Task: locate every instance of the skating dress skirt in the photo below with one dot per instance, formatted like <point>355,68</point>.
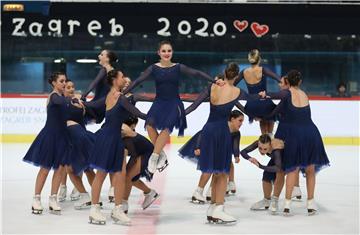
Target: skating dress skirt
<point>50,147</point>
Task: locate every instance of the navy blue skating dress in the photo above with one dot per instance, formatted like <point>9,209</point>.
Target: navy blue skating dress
<point>262,107</point>
<point>108,151</point>
<point>82,141</point>
<point>167,110</point>
<point>303,142</point>
<point>216,151</point>
<point>101,90</point>
<point>187,150</point>
<point>138,146</point>
<point>52,143</point>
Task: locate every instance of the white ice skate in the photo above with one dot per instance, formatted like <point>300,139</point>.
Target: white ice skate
<point>84,202</point>
<point>125,206</point>
<point>208,194</point>
<point>296,193</point>
<point>219,216</point>
<point>162,162</point>
<point>75,195</point>
<point>152,165</point>
<point>261,205</point>
<point>311,207</point>
<point>149,198</point>
<point>231,187</point>
<point>198,197</point>
<point>118,215</point>
<point>62,193</point>
<point>54,205</point>
<point>210,212</point>
<point>36,207</point>
<point>287,207</point>
<point>111,194</point>
<point>274,205</point>
<point>96,217</point>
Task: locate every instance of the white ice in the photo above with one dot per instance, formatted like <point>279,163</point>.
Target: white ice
<point>337,195</point>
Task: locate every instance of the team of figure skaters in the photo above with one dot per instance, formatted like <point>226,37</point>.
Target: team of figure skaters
<point>116,149</point>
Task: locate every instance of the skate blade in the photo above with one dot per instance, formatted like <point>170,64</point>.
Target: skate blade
<point>117,221</point>
<point>152,201</point>
<point>111,199</point>
<point>161,169</point>
<point>97,222</point>
<point>195,201</point>
<point>274,212</point>
<point>36,212</point>
<point>260,209</point>
<point>296,198</point>
<point>61,199</point>
<point>54,212</point>
<point>311,212</point>
<point>74,198</point>
<point>87,205</point>
<point>221,222</point>
<point>287,213</point>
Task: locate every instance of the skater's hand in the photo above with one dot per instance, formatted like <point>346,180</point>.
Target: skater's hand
<point>237,160</point>
<point>220,82</point>
<point>254,161</point>
<point>197,152</point>
<point>262,94</point>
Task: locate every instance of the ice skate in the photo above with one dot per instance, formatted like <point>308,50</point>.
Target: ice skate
<point>198,197</point>
<point>296,193</point>
<point>287,206</point>
<point>263,204</point>
<point>208,194</point>
<point>153,161</point>
<point>209,213</point>
<point>75,195</point>
<point>96,217</point>
<point>149,198</point>
<point>311,207</point>
<point>54,207</point>
<point>111,194</point>
<point>274,205</point>
<point>36,207</point>
<point>84,202</point>
<point>162,162</point>
<point>62,193</point>
<point>125,206</point>
<point>219,216</point>
<point>119,216</point>
<point>232,187</point>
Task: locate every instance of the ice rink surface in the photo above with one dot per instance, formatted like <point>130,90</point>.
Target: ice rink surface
<point>337,196</point>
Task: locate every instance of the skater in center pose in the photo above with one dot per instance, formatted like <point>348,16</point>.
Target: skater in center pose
<point>167,110</point>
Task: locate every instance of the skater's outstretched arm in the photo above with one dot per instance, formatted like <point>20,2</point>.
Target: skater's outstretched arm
<point>248,149</point>
<point>201,98</point>
<point>131,108</point>
<point>280,95</point>
<point>145,75</point>
<point>236,143</point>
<point>198,141</point>
<point>93,108</point>
<point>276,155</point>
<point>271,74</point>
<point>138,97</point>
<point>99,77</point>
<point>195,73</point>
<point>245,96</point>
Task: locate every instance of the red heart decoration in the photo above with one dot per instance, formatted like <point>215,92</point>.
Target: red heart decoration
<point>241,25</point>
<point>259,30</point>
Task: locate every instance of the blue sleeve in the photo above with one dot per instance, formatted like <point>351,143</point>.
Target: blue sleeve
<point>276,155</point>
<point>57,99</point>
<point>131,108</point>
<point>201,98</point>
<point>93,84</point>
<point>236,143</point>
<point>195,73</point>
<point>245,152</point>
<point>145,75</point>
<point>271,74</point>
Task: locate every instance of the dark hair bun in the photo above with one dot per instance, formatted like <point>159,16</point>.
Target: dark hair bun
<point>231,71</point>
<point>293,77</point>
